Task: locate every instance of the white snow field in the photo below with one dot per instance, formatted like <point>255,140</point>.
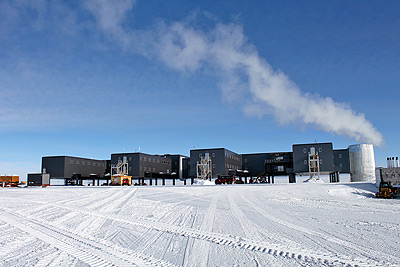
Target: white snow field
<point>303,224</point>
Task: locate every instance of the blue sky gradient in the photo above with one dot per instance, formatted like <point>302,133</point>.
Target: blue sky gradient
<point>91,78</point>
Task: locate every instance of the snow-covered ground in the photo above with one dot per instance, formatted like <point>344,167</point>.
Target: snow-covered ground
<point>303,224</point>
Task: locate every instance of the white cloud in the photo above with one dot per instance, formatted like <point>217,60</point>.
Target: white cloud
<point>110,16</point>
<point>244,74</point>
<point>226,49</point>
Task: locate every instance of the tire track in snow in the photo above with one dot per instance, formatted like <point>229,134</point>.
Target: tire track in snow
<point>187,250</point>
<point>95,203</point>
<point>114,206</point>
<point>92,252</point>
<point>249,228</point>
<point>48,259</point>
<point>152,238</point>
<point>360,261</point>
<point>80,199</point>
<point>278,250</point>
<point>201,248</point>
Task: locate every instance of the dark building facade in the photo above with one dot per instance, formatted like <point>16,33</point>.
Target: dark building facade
<point>254,163</point>
<point>144,165</point>
<point>325,153</point>
<point>61,167</point>
<point>179,165</point>
<point>260,164</point>
<point>38,179</point>
<point>222,160</point>
<point>341,160</point>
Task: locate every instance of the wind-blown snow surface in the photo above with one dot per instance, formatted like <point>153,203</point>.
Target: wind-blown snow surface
<point>305,224</point>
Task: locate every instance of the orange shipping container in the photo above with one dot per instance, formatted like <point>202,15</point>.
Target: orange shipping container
<point>9,178</point>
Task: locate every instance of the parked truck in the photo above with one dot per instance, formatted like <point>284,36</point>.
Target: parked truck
<point>228,179</point>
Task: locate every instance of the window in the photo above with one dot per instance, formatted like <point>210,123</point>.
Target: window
<point>214,165</point>
<point>144,168</point>
<point>200,155</point>
<point>130,158</point>
<point>130,168</point>
<point>245,160</point>
<point>305,162</point>
<point>213,155</point>
<point>340,156</point>
<point>141,158</point>
<point>145,159</point>
<point>321,161</point>
<point>304,150</point>
<point>71,161</point>
<point>320,149</point>
<point>154,160</point>
<point>158,161</point>
<point>341,165</point>
<point>140,167</point>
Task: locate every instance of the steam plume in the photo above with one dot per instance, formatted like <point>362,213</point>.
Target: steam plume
<point>184,48</point>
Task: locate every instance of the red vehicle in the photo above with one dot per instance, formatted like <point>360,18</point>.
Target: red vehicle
<point>227,179</point>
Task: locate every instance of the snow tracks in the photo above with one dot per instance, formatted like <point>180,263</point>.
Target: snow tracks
<point>166,226</point>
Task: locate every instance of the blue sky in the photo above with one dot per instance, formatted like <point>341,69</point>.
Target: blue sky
<point>91,78</point>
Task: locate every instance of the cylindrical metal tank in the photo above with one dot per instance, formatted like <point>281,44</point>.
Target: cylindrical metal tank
<point>362,163</point>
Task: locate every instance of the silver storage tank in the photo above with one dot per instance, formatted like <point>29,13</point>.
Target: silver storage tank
<point>362,163</point>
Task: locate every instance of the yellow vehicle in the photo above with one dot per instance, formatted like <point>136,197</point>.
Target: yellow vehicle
<point>119,173</point>
<point>121,180</point>
<point>386,190</point>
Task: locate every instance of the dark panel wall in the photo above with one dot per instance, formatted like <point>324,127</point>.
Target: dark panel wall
<point>300,157</point>
<point>38,179</point>
<point>65,167</point>
<point>233,161</point>
<point>221,159</point>
<point>54,166</point>
<point>141,164</point>
<point>341,160</point>
<point>254,163</point>
<point>132,159</point>
<point>175,164</point>
<point>186,167</point>
<point>154,164</point>
<point>85,167</point>
<point>278,163</point>
<point>217,160</point>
